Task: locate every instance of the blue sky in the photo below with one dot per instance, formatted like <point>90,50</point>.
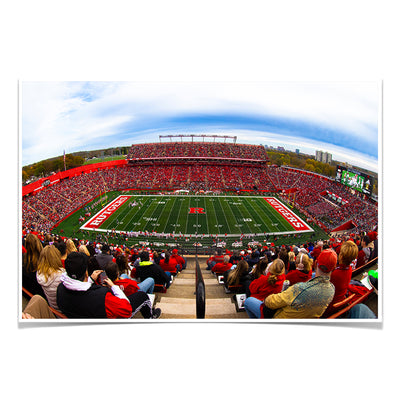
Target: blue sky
<point>339,117</point>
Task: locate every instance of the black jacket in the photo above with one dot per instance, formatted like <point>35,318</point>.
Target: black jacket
<point>147,269</point>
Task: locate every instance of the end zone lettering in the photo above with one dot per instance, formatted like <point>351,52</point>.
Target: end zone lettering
<point>99,218</point>
<point>293,220</point>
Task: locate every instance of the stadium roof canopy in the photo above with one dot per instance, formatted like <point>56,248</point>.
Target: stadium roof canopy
<point>234,138</point>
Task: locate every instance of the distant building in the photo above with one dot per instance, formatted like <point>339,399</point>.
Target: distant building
<point>297,151</point>
<point>323,156</point>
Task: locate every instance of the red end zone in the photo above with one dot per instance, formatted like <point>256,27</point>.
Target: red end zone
<point>100,217</point>
<point>293,219</point>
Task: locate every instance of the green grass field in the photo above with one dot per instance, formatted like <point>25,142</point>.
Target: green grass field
<point>190,215</point>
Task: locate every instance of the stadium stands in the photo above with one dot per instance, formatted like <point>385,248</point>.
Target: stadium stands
<point>199,167</point>
<point>194,150</point>
<point>50,205</point>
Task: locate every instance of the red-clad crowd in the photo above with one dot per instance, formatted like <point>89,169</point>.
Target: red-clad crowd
<point>197,149</point>
<point>41,211</point>
<point>270,270</point>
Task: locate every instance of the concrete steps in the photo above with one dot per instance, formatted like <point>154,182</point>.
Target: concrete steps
<point>180,301</point>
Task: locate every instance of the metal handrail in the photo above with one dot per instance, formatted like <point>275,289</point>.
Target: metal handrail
<point>200,293</point>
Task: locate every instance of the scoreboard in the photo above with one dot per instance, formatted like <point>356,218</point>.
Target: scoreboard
<point>354,179</point>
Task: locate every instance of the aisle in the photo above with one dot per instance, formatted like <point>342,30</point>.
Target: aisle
<point>180,301</point>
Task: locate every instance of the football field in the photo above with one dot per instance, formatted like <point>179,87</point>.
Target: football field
<point>230,216</point>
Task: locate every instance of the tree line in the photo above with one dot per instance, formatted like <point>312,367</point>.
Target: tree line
<point>73,160</point>
<point>301,161</point>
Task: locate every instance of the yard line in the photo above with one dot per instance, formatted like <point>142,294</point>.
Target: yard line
<point>276,224</point>
<point>265,211</point>
<point>159,212</point>
<point>171,204</point>
<point>187,216</point>
<point>262,215</point>
<point>242,219</point>
<point>149,214</point>
<point>138,214</point>
<point>227,220</point>
<point>132,212</point>
<point>282,224</point>
<point>211,215</point>
<point>182,218</point>
<point>161,223</point>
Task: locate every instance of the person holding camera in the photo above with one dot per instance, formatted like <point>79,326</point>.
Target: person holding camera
<point>78,296</point>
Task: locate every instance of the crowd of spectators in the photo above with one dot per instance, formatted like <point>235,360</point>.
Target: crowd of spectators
<point>197,149</point>
<point>76,285</point>
<point>50,261</point>
<point>42,210</point>
<point>306,280</point>
<point>310,198</point>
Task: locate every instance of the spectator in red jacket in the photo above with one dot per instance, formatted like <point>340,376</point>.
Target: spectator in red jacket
<point>303,271</point>
<point>223,266</point>
<point>169,264</point>
<point>341,276</point>
<point>216,258</point>
<point>264,286</point>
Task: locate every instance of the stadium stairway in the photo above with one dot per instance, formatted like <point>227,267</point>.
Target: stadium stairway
<point>179,302</point>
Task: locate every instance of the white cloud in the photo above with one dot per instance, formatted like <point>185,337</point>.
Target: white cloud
<point>307,146</point>
<point>72,115</point>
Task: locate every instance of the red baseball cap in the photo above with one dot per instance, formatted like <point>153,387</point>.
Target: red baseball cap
<point>327,260</point>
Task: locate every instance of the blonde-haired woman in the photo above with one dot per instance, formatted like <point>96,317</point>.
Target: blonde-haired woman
<point>83,249</point>
<point>71,246</point>
<point>341,276</point>
<point>303,271</point>
<point>49,273</point>
<point>292,261</point>
<point>264,286</point>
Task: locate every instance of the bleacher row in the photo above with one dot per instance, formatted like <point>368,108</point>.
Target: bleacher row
<point>197,149</point>
<point>341,308</point>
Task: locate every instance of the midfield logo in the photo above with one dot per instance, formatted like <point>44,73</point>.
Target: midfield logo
<point>196,210</point>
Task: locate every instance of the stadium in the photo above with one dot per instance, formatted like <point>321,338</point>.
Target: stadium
<point>209,200</point>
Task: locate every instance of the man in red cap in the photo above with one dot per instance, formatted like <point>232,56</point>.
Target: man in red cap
<point>306,299</point>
